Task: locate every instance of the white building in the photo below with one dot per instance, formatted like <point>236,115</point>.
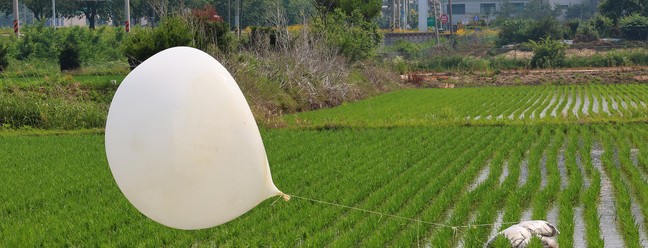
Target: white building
<point>464,11</point>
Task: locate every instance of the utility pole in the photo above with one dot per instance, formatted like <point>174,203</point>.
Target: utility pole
<point>16,18</point>
<point>54,14</point>
<point>237,16</point>
<point>436,19</point>
<point>405,14</point>
<point>128,18</point>
<point>451,26</point>
<point>229,13</point>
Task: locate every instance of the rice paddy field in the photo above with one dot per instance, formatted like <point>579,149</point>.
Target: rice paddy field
<point>465,163</point>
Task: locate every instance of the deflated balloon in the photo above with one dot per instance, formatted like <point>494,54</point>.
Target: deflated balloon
<point>182,143</point>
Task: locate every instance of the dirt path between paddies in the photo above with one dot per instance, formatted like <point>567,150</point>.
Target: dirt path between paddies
<point>606,75</point>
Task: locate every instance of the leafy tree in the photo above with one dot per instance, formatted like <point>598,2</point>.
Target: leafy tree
<point>617,9</point>
<point>538,9</point>
<point>42,9</point>
<point>369,9</point>
<point>89,9</point>
<point>634,27</point>
<point>145,42</point>
<point>582,11</point>
<point>355,37</point>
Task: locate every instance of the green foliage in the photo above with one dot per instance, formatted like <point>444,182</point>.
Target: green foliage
<point>522,30</point>
<point>45,43</point>
<point>603,25</point>
<point>69,57</point>
<point>572,27</point>
<point>586,33</point>
<point>548,53</point>
<point>208,33</point>
<point>407,49</point>
<point>356,38</point>
<point>535,242</point>
<point>500,242</point>
<point>634,27</point>
<point>617,9</point>
<point>369,9</point>
<point>4,62</point>
<point>144,43</point>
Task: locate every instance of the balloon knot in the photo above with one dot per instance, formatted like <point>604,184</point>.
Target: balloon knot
<point>285,196</point>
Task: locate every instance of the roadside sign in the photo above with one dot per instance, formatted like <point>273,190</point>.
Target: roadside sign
<point>444,18</point>
<point>431,22</point>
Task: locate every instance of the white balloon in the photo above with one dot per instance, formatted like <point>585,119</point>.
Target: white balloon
<point>182,143</point>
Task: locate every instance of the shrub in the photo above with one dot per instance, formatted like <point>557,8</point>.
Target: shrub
<point>634,27</point>
<point>572,27</point>
<point>518,31</point>
<point>144,43</point>
<point>548,53</point>
<point>603,25</point>
<point>354,37</point>
<point>69,57</point>
<point>4,62</point>
<point>586,33</point>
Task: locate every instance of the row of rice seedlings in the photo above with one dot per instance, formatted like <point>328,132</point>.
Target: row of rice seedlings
<point>613,106</point>
<point>331,157</point>
<point>569,197</point>
<point>470,200</point>
<point>623,204</point>
<point>552,98</point>
<point>484,213</point>
<point>534,110</point>
<point>449,183</point>
<point>632,174</point>
<point>622,104</point>
<point>528,108</point>
<point>374,199</point>
<point>639,134</point>
<point>526,99</point>
<point>592,101</point>
<point>564,98</point>
<point>545,198</point>
<point>515,99</point>
<point>590,196</point>
<point>440,235</point>
<point>603,109</point>
<point>632,104</point>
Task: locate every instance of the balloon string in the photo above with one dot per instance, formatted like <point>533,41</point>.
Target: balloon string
<point>392,215</point>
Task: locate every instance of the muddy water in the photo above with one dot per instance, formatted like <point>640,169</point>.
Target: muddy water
<point>529,108</point>
<point>562,169</point>
<point>605,106</point>
<point>615,106</point>
<point>483,175</point>
<point>555,110</point>
<point>586,104</point>
<point>551,102</point>
<point>579,228</point>
<point>524,172</point>
<point>624,105</point>
<point>498,223</point>
<point>526,215</point>
<point>643,104</point>
<point>505,173</point>
<point>577,106</point>
<point>595,105</point>
<point>552,216</point>
<point>569,102</point>
<point>636,209</point>
<point>606,207</point>
<point>543,172</point>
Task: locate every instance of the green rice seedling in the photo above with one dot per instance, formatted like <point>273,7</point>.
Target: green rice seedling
<point>590,196</point>
<point>625,219</point>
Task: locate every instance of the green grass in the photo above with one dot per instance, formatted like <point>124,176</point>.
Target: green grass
<point>409,153</point>
<point>486,106</point>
